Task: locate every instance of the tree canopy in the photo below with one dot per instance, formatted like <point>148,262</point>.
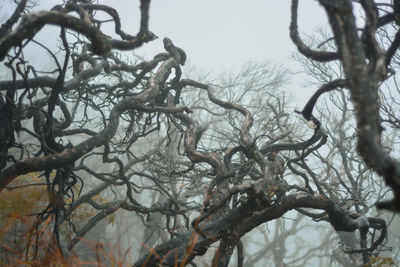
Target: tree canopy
<point>204,162</point>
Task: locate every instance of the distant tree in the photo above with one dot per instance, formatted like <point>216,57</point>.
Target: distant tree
<point>198,162</point>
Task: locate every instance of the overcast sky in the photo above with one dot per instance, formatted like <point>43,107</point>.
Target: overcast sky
<point>223,34</point>
<point>217,35</point>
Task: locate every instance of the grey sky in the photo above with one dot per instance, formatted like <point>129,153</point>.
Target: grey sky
<point>217,35</point>
<point>223,34</point>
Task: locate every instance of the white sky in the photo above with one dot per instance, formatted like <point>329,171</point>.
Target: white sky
<point>221,35</point>
<point>217,35</point>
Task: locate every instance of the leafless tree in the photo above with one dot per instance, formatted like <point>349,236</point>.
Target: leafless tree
<point>205,162</point>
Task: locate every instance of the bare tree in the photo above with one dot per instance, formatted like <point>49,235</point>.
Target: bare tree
<point>203,162</point>
<point>365,64</point>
